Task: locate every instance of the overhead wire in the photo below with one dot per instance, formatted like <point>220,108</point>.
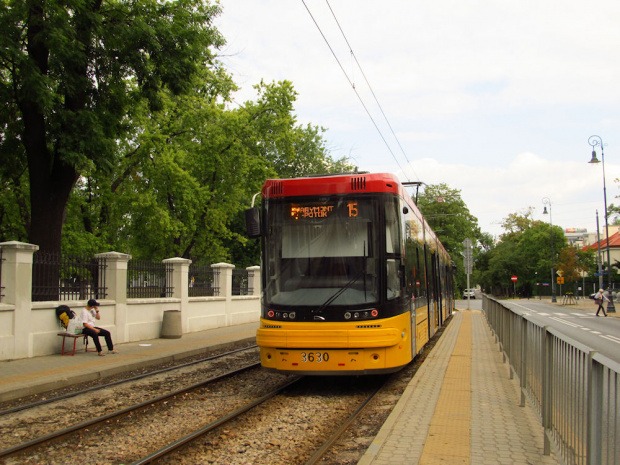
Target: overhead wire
<point>351,83</point>
<point>371,90</point>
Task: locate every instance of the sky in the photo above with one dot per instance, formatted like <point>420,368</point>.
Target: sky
<point>495,98</point>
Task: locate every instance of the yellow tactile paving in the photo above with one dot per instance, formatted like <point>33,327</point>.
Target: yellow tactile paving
<point>461,408</point>
<point>448,438</point>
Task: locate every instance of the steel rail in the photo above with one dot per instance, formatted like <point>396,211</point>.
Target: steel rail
<point>178,444</point>
<point>318,455</point>
<point>116,383</point>
<point>21,448</point>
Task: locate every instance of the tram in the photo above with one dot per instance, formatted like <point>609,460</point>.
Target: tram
<point>354,280</point>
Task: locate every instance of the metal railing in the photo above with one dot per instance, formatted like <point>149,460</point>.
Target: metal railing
<point>202,281</point>
<point>240,282</point>
<point>574,389</point>
<point>58,277</point>
<point>147,279</point>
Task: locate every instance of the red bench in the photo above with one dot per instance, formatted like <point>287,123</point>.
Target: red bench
<point>75,337</point>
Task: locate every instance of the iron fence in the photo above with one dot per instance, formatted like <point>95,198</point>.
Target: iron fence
<point>147,279</point>
<point>240,282</point>
<point>1,286</point>
<point>58,277</point>
<point>203,281</point>
<point>574,389</point>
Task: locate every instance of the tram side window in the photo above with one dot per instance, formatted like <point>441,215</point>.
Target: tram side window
<point>415,280</point>
<point>410,266</point>
<point>393,249</point>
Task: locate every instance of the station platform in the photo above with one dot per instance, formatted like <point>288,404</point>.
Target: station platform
<point>23,377</point>
<point>460,408</point>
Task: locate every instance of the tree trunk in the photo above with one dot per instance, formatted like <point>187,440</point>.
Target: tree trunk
<point>49,194</point>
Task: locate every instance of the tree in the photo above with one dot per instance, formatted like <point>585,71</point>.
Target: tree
<point>571,266</point>
<point>517,223</point>
<point>183,179</point>
<point>524,250</point>
<point>449,217</point>
<point>72,75</point>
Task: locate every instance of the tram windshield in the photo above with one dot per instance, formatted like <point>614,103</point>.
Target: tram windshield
<point>321,253</point>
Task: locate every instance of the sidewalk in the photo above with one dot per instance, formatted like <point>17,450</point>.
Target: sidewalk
<point>35,375</point>
<point>587,305</point>
<point>461,408</point>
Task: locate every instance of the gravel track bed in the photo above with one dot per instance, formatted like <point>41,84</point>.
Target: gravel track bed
<point>288,429</point>
<point>128,438</point>
<point>209,352</point>
<point>28,424</point>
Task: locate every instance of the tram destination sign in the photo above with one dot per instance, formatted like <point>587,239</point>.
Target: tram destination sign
<point>318,211</point>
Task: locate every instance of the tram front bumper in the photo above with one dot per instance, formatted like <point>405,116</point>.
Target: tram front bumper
<point>335,339</point>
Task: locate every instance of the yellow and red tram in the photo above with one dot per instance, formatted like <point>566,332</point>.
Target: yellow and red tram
<point>354,280</point>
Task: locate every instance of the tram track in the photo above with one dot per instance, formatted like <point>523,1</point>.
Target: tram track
<point>149,373</point>
<point>175,446</point>
<point>86,425</point>
<point>286,401</point>
<point>280,406</point>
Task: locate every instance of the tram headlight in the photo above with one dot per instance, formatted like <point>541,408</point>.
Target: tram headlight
<point>347,316</point>
<point>356,315</point>
<point>292,315</point>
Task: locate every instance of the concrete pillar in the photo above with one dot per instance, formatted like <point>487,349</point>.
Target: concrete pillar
<point>180,284</point>
<point>17,281</point>
<point>116,284</point>
<point>223,280</point>
<point>180,277</point>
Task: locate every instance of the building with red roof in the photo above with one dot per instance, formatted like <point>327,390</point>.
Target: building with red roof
<point>614,248</point>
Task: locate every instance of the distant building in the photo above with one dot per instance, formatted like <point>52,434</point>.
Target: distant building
<point>580,237</point>
<point>614,245</point>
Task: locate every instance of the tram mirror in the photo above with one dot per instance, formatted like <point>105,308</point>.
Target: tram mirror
<point>252,222</point>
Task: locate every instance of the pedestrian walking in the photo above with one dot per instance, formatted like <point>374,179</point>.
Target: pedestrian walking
<point>600,298</point>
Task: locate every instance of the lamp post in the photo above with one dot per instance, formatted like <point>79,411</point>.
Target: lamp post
<point>546,202</point>
<point>599,260</point>
<point>594,141</point>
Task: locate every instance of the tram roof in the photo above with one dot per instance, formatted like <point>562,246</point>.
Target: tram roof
<point>353,183</point>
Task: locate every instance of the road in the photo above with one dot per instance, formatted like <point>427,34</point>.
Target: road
<point>575,321</point>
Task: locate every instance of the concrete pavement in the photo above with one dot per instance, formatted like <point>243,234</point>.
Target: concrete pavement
<point>461,408</point>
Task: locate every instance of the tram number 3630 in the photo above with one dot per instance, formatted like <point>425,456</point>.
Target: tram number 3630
<point>317,357</point>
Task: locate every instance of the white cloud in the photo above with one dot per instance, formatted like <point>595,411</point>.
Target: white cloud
<point>492,193</point>
<point>495,98</point>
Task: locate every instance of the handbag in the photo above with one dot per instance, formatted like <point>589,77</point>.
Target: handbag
<point>75,325</point>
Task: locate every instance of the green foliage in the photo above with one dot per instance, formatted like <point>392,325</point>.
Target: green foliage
<point>525,251</point>
<point>449,217</point>
<point>73,75</point>
<point>116,132</point>
<point>182,182</point>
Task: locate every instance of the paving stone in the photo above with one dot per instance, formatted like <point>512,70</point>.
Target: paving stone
<point>498,430</point>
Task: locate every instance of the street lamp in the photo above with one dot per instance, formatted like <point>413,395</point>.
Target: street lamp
<point>546,202</point>
<point>594,141</point>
